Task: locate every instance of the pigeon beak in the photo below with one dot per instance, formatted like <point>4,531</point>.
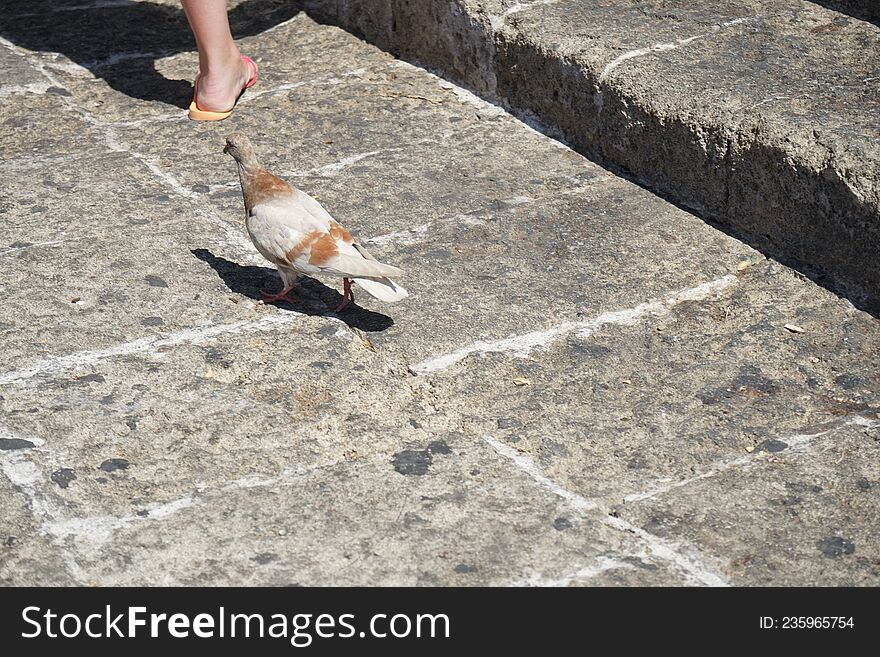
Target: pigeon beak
<point>226,148</point>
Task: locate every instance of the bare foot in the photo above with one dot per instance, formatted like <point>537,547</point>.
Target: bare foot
<point>219,87</point>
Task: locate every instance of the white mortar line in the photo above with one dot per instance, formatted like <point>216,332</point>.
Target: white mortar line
<point>287,477</point>
<point>403,237</point>
<point>524,463</point>
<point>149,120</point>
<point>420,232</point>
<point>98,530</point>
<point>524,199</point>
<point>330,79</point>
<point>772,99</point>
<point>149,344</point>
<point>673,552</point>
<point>692,566</point>
<point>38,88</point>
<point>498,21</point>
<point>330,170</point>
<point>166,177</point>
<point>38,244</point>
<point>25,476</point>
<point>119,57</point>
<point>794,442</point>
<point>69,67</point>
<point>522,345</point>
<point>663,47</point>
<point>602,565</point>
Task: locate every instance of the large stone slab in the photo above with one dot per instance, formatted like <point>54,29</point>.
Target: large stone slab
<point>97,253</point>
<point>611,408</point>
<point>44,124</point>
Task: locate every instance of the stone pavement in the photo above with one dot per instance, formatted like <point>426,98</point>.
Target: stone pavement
<point>588,385</point>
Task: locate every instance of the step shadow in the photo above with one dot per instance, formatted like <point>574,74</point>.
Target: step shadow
<point>864,10</point>
<point>311,297</point>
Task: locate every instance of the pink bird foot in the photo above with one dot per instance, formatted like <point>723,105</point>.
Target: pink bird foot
<point>281,296</point>
<point>347,294</point>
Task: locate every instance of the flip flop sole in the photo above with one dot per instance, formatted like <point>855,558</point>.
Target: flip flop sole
<point>198,114</point>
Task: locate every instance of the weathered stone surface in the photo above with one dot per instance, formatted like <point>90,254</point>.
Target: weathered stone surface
<point>125,47</point>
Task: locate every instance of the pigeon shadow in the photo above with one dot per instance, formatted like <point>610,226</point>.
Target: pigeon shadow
<point>310,297</point>
<point>120,41</point>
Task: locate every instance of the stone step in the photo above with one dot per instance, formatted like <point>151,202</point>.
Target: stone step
<point>759,115</point>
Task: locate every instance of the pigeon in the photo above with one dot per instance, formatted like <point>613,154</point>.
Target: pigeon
<point>297,235</point>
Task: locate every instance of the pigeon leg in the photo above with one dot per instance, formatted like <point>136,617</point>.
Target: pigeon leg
<point>281,296</point>
<point>347,294</point>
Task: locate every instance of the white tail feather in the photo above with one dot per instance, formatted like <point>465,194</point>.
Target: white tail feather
<point>354,265</point>
<point>384,289</point>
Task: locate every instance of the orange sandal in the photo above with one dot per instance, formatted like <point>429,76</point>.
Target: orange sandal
<point>198,114</point>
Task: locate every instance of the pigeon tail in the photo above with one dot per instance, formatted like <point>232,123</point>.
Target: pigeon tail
<point>354,266</point>
<point>384,289</point>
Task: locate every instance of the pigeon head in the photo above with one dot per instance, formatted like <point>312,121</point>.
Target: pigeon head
<point>239,147</point>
